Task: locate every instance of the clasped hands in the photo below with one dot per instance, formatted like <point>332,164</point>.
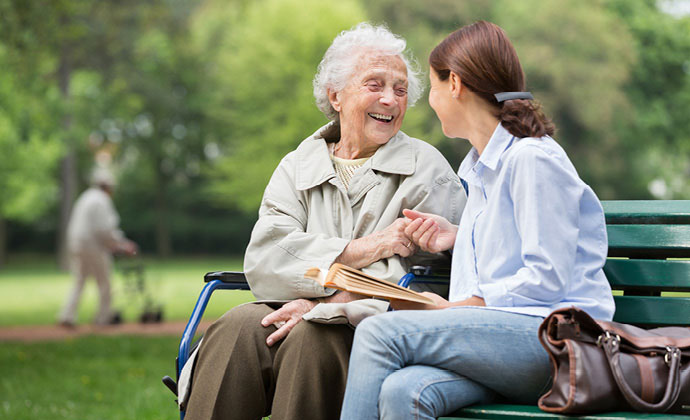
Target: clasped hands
<point>417,230</point>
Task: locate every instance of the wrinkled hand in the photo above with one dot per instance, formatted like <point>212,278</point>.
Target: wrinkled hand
<point>290,315</point>
<point>376,246</point>
<point>439,303</point>
<point>432,233</point>
<point>393,240</point>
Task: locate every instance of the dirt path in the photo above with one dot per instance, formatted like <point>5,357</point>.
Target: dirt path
<point>30,333</point>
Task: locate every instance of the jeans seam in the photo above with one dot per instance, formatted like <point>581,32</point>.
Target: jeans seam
<point>488,328</point>
<point>423,388</point>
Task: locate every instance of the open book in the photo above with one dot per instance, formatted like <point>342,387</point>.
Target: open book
<point>342,277</point>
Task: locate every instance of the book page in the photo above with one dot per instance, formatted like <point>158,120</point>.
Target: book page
<point>346,278</point>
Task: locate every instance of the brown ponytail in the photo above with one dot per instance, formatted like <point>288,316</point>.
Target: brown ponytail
<point>486,61</point>
<point>525,118</point>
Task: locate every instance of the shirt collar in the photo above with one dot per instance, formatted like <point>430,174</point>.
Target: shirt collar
<point>397,156</point>
<point>500,140</point>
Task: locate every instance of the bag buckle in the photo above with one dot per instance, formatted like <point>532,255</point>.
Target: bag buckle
<point>671,353</point>
<point>607,336</point>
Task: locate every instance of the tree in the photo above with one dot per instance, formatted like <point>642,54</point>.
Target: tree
<point>28,150</point>
<point>659,96</point>
<point>576,65</point>
<point>261,66</point>
<point>68,37</point>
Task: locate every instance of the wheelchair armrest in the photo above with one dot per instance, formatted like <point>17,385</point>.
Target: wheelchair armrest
<point>436,279</point>
<point>231,277</point>
<point>430,271</point>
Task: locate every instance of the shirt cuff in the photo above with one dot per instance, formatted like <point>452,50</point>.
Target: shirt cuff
<point>495,294</point>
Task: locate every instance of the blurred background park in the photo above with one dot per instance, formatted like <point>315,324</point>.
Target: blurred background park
<point>192,103</point>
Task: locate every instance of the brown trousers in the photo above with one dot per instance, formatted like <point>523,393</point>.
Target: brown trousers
<point>237,376</point>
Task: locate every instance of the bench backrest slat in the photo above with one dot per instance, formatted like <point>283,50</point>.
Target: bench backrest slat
<point>647,212</point>
<point>652,274</point>
<point>642,236</point>
<point>649,241</point>
<point>652,310</point>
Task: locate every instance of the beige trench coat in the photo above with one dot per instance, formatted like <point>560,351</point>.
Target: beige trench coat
<point>307,217</point>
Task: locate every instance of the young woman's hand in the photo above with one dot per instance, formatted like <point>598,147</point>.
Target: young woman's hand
<point>430,232</point>
<point>439,303</point>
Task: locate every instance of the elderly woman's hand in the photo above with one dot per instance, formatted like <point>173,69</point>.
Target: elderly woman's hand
<point>432,233</point>
<point>378,245</point>
<point>286,318</point>
<point>392,241</point>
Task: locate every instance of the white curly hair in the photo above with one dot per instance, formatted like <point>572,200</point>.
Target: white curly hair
<point>341,58</point>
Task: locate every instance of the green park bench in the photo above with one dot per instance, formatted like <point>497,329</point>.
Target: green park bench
<point>649,270</point>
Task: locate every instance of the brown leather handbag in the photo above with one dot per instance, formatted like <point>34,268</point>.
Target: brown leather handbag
<point>603,366</point>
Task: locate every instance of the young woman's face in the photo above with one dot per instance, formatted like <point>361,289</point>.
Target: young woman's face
<point>442,101</point>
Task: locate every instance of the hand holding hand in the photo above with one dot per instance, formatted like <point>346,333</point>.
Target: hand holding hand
<point>287,317</point>
<point>393,240</point>
<point>432,233</point>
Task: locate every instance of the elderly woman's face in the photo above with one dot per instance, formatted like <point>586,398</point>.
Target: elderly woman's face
<point>373,103</point>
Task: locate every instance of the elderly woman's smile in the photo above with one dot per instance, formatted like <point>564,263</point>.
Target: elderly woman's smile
<point>372,105</point>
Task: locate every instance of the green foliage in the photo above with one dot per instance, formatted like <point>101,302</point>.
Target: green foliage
<point>261,87</point>
<point>28,148</point>
<point>577,64</point>
<point>659,94</point>
<point>198,100</point>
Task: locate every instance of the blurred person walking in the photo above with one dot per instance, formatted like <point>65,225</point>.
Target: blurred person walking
<point>93,235</point>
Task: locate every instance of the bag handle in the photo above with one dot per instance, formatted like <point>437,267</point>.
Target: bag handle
<point>611,346</point>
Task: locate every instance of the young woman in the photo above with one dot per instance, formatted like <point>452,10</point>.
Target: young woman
<point>531,239</point>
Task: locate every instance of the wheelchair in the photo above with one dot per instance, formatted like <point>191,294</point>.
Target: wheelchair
<point>234,280</point>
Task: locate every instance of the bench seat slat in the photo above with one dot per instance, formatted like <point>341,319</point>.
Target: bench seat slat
<point>652,310</point>
<point>649,241</point>
<point>511,411</point>
<point>648,212</point>
<point>667,275</point>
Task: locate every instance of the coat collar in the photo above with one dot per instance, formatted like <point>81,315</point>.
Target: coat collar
<point>500,140</point>
<point>314,167</point>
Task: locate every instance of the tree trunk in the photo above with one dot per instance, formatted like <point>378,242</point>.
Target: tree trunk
<point>3,242</point>
<point>163,240</point>
<point>68,164</point>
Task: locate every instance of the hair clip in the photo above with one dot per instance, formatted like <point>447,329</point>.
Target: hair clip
<point>507,96</point>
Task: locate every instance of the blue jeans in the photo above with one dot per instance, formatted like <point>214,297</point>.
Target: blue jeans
<point>425,364</point>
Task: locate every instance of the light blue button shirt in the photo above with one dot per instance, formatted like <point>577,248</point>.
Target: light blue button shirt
<point>532,237</point>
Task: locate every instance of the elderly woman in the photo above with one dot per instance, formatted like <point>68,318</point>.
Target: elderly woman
<point>337,198</point>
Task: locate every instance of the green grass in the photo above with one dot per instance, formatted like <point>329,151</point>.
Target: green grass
<point>32,289</point>
<point>103,378</point>
<point>97,377</point>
